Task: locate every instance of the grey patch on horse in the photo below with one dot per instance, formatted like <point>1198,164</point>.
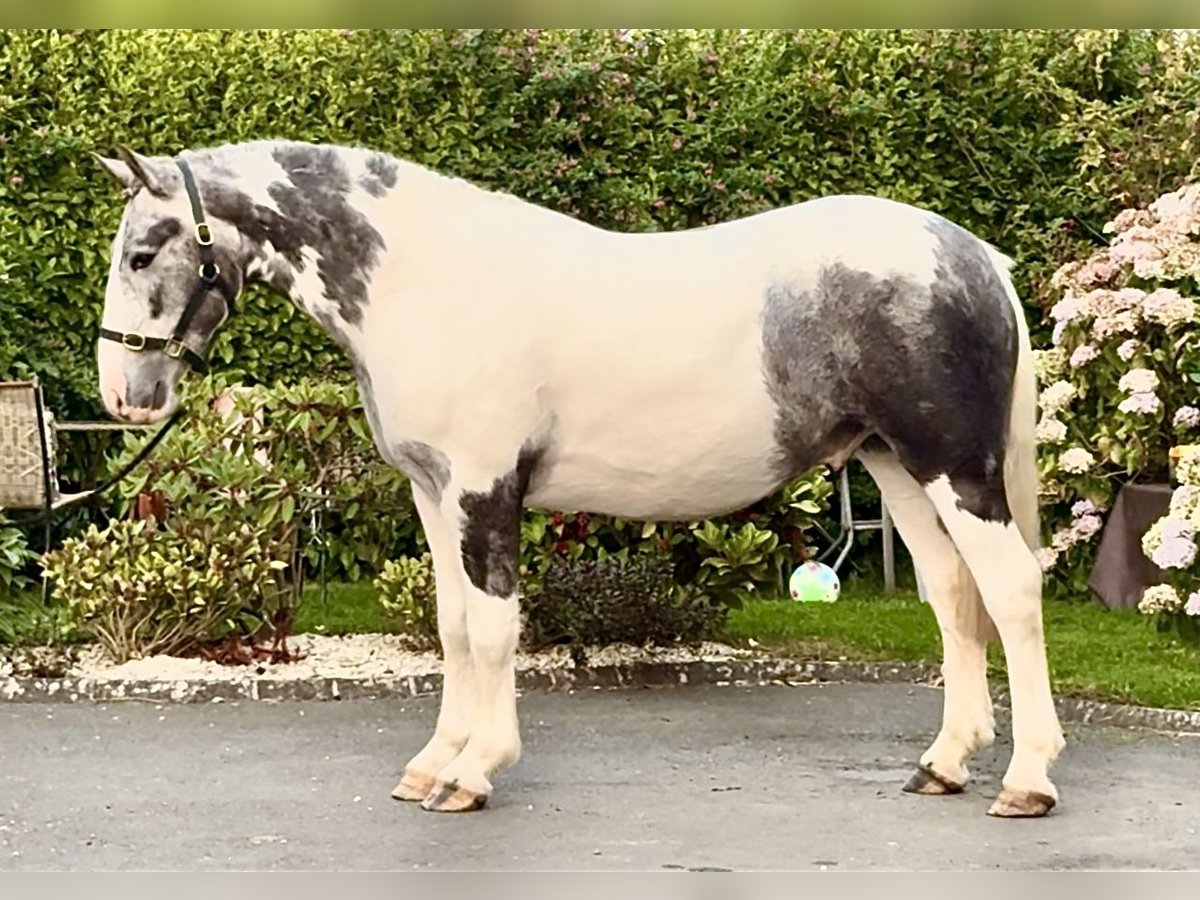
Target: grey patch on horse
<point>426,467</point>
<point>314,211</point>
<point>317,213</point>
<point>158,234</point>
<point>492,527</point>
<point>381,175</point>
<point>926,367</point>
<point>156,302</point>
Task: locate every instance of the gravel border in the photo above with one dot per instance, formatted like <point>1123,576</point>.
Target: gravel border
<point>758,670</point>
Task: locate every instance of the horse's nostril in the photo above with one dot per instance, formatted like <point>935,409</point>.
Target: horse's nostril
<point>160,395</point>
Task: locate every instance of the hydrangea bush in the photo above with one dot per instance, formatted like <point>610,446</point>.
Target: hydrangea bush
<point>1170,543</point>
<point>1119,383</point>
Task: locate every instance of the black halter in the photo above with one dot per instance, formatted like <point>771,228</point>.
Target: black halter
<point>210,280</point>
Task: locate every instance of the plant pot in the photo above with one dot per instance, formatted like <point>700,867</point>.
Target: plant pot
<point>1121,571</point>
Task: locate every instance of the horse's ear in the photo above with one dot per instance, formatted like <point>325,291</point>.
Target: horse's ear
<point>143,170</point>
<point>120,172</point>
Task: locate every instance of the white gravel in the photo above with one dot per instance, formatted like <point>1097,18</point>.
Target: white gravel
<point>368,656</point>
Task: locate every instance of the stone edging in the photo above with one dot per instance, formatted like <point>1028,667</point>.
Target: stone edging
<point>641,674</point>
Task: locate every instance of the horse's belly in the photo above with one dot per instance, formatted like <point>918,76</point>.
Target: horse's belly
<point>660,473</point>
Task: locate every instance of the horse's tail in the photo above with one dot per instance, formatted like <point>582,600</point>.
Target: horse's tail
<point>1020,455</point>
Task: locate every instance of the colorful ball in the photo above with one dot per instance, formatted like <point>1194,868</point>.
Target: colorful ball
<point>814,582</point>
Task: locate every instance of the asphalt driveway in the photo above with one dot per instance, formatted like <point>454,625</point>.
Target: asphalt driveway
<point>679,778</point>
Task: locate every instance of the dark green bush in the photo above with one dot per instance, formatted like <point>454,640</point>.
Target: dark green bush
<point>614,600</point>
<point>1030,138</point>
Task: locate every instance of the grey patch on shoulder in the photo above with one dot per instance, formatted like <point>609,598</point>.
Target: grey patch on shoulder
<point>381,175</point>
<point>426,467</point>
<point>314,211</point>
<point>492,526</point>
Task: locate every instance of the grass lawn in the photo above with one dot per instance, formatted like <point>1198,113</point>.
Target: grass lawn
<point>1094,652</point>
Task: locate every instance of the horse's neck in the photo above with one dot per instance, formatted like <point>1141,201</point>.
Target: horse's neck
<point>348,226</point>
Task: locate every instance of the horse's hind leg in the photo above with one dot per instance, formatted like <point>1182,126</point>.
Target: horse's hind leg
<point>974,506</point>
<point>967,723</point>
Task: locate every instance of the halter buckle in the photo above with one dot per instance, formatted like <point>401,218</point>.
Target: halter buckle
<point>174,348</point>
<point>203,234</point>
<point>134,341</point>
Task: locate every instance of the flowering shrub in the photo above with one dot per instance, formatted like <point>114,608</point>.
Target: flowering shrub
<point>1170,543</point>
<point>139,593</point>
<point>1120,380</point>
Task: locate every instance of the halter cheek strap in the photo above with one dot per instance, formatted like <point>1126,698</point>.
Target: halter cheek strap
<point>210,279</point>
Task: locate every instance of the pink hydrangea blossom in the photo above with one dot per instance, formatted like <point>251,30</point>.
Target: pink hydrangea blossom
<point>1138,381</point>
<point>1142,403</point>
<point>1085,526</point>
<point>1174,553</point>
<point>1128,349</point>
<point>1123,322</point>
<point>1076,461</point>
<point>1168,307</point>
<point>1070,308</point>
<point>1084,508</point>
<point>1083,355</point>
<point>1050,431</point>
<point>1186,417</point>
<point>1192,607</point>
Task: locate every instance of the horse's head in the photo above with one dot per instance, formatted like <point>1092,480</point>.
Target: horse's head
<point>171,285</point>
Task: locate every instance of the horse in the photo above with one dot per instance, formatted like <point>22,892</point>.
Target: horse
<point>508,355</point>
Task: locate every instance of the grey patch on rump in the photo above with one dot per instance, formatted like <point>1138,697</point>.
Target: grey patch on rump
<point>492,527</point>
<point>928,368</point>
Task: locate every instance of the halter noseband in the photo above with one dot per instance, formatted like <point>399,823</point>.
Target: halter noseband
<point>210,279</point>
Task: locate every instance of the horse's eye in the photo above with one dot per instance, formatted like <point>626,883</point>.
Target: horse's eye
<point>141,260</point>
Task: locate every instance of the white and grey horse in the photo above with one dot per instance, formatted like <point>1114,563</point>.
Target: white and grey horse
<point>512,356</point>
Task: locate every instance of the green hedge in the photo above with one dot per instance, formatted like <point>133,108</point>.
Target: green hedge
<point>1029,138</point>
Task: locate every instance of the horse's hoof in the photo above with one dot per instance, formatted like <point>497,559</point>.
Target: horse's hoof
<point>413,786</point>
<point>1022,804</point>
<point>926,781</point>
<point>449,797</point>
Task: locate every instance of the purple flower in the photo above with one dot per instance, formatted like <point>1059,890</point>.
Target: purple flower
<point>1084,508</point>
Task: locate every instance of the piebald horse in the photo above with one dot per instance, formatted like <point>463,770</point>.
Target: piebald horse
<point>731,358</point>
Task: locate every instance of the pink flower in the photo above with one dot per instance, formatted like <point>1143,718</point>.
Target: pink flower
<point>1123,322</point>
<point>1192,608</point>
<point>1142,403</point>
<point>1083,355</point>
<point>1174,553</point>
<point>1186,417</point>
<point>1084,508</point>
<point>1137,381</point>
<point>1086,526</point>
<point>1127,350</point>
<point>1167,307</point>
<point>1070,308</point>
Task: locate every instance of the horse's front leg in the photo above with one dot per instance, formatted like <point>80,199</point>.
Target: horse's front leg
<point>458,688</point>
<point>486,530</point>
